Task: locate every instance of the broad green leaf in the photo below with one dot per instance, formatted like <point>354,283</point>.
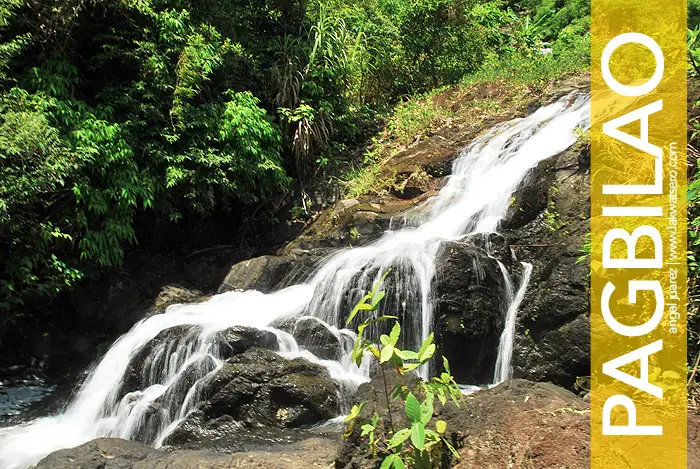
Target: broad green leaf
<point>354,412</point>
<point>388,461</point>
<point>431,438</point>
<point>379,283</point>
<point>399,437</point>
<point>407,354</point>
<point>376,299</point>
<point>361,329</point>
<point>441,426</point>
<point>357,352</point>
<point>387,353</point>
<point>362,305</point>
<point>395,333</point>
<point>424,347</point>
<point>441,396</point>
<point>412,407</point>
<point>427,353</point>
<point>410,367</point>
<point>398,463</point>
<point>418,435</point>
<point>446,365</point>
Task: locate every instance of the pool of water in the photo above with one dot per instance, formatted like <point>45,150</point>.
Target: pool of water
<point>19,396</point>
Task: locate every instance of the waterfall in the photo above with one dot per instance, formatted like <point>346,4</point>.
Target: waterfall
<point>474,200</point>
<point>507,340</point>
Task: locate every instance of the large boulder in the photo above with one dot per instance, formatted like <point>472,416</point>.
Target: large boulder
<point>271,273</point>
<point>315,336</point>
<point>470,309</point>
<point>112,453</point>
<point>262,273</point>
<point>230,342</point>
<point>352,222</point>
<point>238,339</point>
<point>104,453</point>
<point>259,389</point>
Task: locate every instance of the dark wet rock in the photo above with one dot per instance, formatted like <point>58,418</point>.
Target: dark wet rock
<point>314,336</point>
<point>198,431</point>
<point>469,306</point>
<point>553,335</point>
<point>352,222</point>
<point>176,294</point>
<point>270,273</point>
<point>262,273</point>
<point>238,339</point>
<point>230,342</point>
<point>136,376</point>
<point>528,202</point>
<point>259,389</point>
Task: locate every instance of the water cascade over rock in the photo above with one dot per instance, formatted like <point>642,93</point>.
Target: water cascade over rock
<point>214,358</point>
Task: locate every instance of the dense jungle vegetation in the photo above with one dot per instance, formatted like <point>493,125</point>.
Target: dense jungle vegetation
<point>115,111</point>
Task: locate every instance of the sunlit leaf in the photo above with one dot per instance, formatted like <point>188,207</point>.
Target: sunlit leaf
<point>399,437</point>
<point>418,435</point>
<point>412,407</point>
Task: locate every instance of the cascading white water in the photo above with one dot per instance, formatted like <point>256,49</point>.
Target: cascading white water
<point>474,200</point>
<point>507,340</point>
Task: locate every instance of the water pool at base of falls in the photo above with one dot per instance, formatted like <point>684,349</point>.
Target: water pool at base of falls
<point>473,201</point>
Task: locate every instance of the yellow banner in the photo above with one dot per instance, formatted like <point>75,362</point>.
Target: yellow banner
<point>638,234</point>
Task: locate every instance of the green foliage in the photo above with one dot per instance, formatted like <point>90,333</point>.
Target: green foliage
<point>545,39</point>
<point>173,111</point>
<point>551,218</point>
<point>694,50</point>
<point>422,443</point>
<point>693,13</point>
<point>585,250</point>
<point>563,17</point>
<point>91,134</point>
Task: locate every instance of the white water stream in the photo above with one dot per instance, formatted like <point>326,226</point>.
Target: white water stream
<point>474,200</point>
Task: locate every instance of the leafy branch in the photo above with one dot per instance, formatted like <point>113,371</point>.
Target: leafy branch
<point>421,444</point>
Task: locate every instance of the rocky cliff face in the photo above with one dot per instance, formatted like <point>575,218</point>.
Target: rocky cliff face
<point>553,340</point>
